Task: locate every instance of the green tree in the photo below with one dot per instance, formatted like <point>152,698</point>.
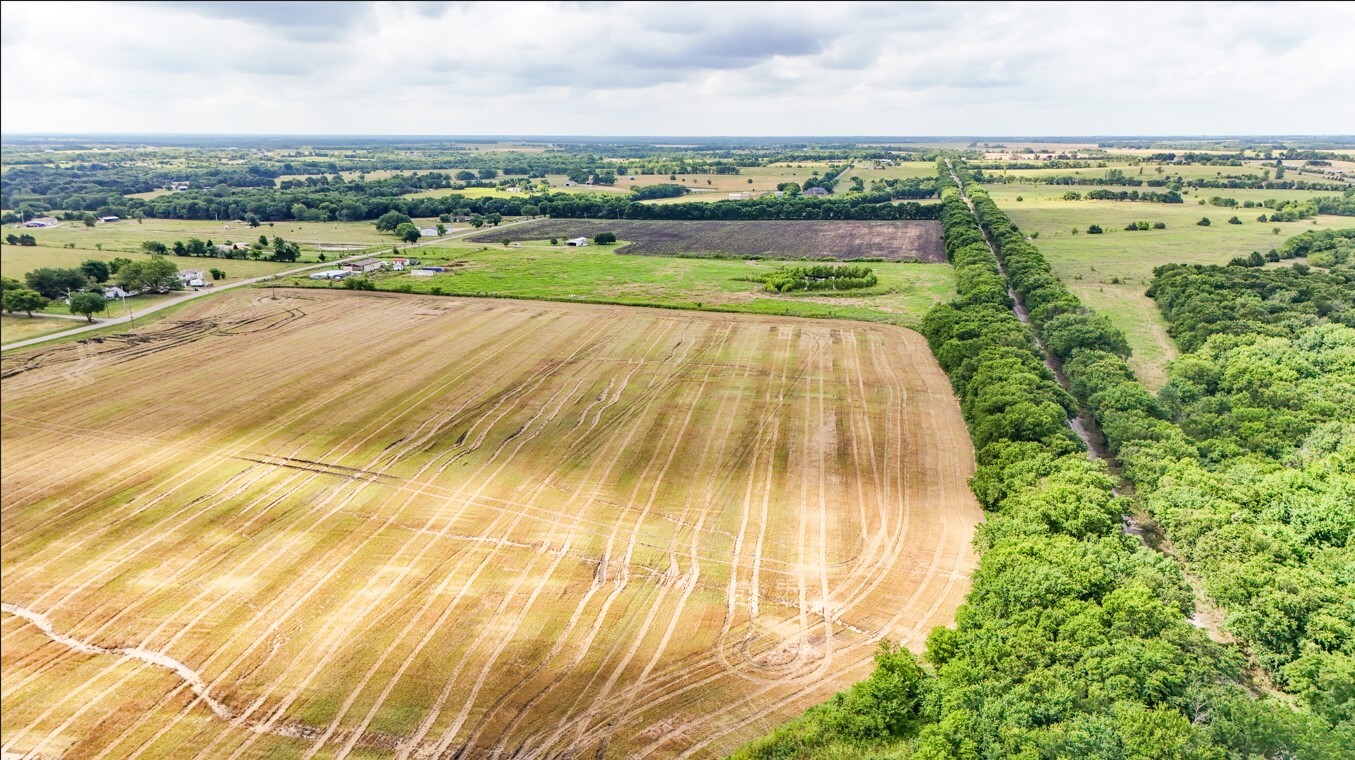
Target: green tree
<point>217,274</point>
<point>88,304</point>
<point>1204,222</point>
<point>388,221</point>
<point>604,238</point>
<point>89,220</point>
<point>95,270</point>
<point>23,299</point>
<point>408,232</point>
<point>154,246</point>
<point>488,173</point>
<point>442,230</point>
<point>54,283</point>
<point>156,274</point>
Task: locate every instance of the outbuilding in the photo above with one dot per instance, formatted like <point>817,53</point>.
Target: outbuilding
<point>364,266</point>
<point>577,242</point>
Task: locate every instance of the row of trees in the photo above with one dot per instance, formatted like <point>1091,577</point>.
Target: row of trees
<point>1238,457</point>
<point>1073,641</point>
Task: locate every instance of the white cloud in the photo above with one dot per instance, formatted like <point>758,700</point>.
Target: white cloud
<point>678,68</point>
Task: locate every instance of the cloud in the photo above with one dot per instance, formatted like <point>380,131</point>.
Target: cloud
<point>678,68</point>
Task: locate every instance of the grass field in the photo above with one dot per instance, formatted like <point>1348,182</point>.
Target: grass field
<point>21,327</point>
<point>837,240</point>
<point>128,235</point>
<point>369,525</point>
<point>597,274</point>
<point>1111,271</point>
<point>15,261</point>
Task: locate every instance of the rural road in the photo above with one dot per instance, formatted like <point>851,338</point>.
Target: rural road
<point>207,292</point>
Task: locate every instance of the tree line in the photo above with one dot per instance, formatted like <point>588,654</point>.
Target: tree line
<point>1073,641</point>
<point>1181,449</point>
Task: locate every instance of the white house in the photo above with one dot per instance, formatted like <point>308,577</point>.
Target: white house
<point>112,292</point>
<point>577,242</point>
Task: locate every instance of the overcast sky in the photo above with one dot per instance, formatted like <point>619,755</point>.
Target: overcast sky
<point>582,68</point>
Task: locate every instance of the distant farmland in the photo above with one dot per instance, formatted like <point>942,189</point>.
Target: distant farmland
<point>843,240</point>
<point>371,525</point>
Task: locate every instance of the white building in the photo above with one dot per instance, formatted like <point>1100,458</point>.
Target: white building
<point>577,242</point>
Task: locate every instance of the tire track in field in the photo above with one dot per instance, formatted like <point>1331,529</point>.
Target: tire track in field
<point>346,554</point>
<point>637,415</point>
<point>522,441</point>
<point>679,376</point>
<point>263,548</point>
<point>657,604</point>
<point>313,405</point>
<point>690,579</point>
<point>904,609</point>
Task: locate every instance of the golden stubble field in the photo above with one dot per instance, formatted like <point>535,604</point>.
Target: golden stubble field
<point>375,525</point>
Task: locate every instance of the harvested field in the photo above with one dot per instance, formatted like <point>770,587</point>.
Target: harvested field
<point>343,525</point>
<point>833,240</point>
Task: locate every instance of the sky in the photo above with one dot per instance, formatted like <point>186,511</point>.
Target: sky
<point>604,68</point>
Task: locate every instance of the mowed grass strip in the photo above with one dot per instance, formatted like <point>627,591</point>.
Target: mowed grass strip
<point>376,524</point>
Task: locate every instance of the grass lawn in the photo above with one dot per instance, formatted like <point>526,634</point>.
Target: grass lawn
<point>20,327</point>
<point>597,274</point>
<point>1111,271</point>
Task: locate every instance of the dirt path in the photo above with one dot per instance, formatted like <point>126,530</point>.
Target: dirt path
<point>1137,523</point>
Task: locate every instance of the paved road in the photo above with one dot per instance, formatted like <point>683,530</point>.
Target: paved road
<point>211,291</point>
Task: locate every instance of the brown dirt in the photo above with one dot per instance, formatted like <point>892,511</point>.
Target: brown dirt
<point>578,530</point>
<point>828,240</point>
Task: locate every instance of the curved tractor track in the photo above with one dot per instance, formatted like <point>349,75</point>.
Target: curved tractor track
<point>341,525</point>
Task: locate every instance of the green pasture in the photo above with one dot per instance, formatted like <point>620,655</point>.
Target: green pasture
<point>22,327</point>
<point>1111,271</point>
<point>598,274</point>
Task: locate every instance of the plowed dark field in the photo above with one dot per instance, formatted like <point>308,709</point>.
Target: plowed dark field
<point>835,240</point>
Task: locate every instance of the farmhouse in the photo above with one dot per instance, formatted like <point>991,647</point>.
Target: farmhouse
<point>400,262</point>
<point>42,221</point>
<point>366,265</point>
<point>815,191</point>
<point>577,242</point>
<point>191,277</point>
<point>112,292</point>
